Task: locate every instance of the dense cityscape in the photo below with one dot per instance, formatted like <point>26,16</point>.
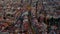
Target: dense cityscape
<point>29,16</point>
